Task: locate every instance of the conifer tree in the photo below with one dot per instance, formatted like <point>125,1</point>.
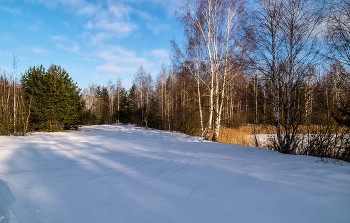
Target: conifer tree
<point>56,102</point>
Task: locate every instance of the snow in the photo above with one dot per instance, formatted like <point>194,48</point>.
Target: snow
<point>128,174</point>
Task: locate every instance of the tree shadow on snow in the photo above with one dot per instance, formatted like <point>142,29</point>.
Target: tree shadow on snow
<point>94,176</point>
<point>6,199</point>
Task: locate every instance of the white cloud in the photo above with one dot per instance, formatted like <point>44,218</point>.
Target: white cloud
<point>166,3</point>
<point>89,25</point>
<point>169,5</point>
<point>117,54</point>
<point>35,27</point>
<point>13,11</point>
<point>73,47</point>
<point>66,44</point>
<point>157,28</point>
<point>37,50</point>
<point>161,54</point>
<point>88,10</point>
<point>108,22</point>
<point>113,21</point>
<point>97,39</point>
<point>144,15</point>
<point>55,3</point>
<point>120,11</point>
<point>109,19</point>
<point>66,24</point>
<point>120,27</point>
<point>119,62</point>
<point>123,63</point>
<point>114,69</point>
<point>5,38</point>
<point>59,38</point>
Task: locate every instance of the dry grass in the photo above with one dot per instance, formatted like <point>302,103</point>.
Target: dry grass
<point>320,141</point>
<point>243,134</point>
<point>318,129</point>
<point>237,136</point>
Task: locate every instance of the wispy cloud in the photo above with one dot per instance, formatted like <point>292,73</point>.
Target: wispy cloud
<point>5,38</point>
<point>119,55</point>
<point>123,63</point>
<point>169,5</point>
<point>157,28</point>
<point>119,27</point>
<point>73,47</point>
<point>55,3</point>
<point>143,14</point>
<point>113,37</point>
<point>37,50</point>
<point>161,54</point>
<point>119,61</point>
<point>112,70</point>
<point>59,38</point>
<point>13,11</point>
<point>35,27</point>
<point>66,44</point>
<point>88,10</point>
<point>66,24</point>
<point>111,21</point>
<point>120,11</point>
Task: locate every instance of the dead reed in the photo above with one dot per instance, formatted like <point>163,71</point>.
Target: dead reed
<point>243,135</point>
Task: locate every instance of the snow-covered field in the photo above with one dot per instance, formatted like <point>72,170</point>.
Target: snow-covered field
<point>117,173</point>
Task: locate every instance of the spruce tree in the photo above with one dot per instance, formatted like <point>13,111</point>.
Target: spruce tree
<point>56,102</point>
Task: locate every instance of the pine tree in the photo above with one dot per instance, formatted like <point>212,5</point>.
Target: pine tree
<point>125,111</point>
<point>56,102</point>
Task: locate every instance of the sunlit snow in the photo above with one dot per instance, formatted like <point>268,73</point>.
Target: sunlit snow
<point>117,173</point>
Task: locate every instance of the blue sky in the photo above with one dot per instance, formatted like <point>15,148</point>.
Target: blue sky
<point>95,41</point>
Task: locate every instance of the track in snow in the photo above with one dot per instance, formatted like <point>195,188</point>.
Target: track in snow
<point>127,174</point>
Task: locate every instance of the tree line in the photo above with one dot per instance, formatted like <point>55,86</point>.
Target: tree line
<point>281,63</point>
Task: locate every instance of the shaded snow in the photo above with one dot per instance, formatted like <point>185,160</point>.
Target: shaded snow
<point>128,174</point>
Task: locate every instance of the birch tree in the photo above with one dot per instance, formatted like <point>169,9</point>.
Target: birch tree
<point>286,43</point>
<point>15,67</point>
<point>338,32</point>
<point>338,39</point>
<point>218,45</point>
<point>143,83</point>
<point>118,101</point>
<point>111,92</point>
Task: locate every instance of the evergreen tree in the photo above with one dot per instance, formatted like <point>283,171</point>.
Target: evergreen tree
<point>55,99</point>
<point>153,118</point>
<point>103,105</point>
<point>342,115</point>
<point>125,112</point>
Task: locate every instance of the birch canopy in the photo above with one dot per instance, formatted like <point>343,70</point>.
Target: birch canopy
<point>215,51</point>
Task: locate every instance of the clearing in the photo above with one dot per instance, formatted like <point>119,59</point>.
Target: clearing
<point>128,174</point>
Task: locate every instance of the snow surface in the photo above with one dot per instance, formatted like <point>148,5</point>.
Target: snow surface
<point>126,174</point>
